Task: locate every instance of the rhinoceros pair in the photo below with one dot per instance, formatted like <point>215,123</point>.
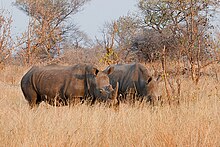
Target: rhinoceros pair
<point>67,85</point>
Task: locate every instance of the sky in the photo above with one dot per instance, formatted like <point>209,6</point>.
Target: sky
<point>20,20</point>
<point>90,20</point>
<point>97,12</point>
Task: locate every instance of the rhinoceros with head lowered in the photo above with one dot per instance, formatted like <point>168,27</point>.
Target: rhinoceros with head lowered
<point>135,82</point>
<point>63,85</point>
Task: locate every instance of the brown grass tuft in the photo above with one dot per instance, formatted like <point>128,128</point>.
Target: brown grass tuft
<point>194,122</point>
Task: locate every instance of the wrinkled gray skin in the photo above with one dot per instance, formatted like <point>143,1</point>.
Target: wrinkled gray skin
<point>133,77</point>
<point>64,85</point>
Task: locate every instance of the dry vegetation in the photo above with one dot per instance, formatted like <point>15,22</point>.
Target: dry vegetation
<point>194,122</point>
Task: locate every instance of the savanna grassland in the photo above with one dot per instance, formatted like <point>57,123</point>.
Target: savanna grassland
<point>194,121</point>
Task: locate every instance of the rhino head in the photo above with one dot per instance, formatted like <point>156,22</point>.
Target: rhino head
<point>99,86</point>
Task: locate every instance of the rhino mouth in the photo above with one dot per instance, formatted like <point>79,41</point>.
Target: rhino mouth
<point>108,93</point>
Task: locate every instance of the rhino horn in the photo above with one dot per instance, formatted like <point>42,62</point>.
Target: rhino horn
<point>115,95</point>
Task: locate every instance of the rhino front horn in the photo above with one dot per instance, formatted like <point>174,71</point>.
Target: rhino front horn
<point>115,101</point>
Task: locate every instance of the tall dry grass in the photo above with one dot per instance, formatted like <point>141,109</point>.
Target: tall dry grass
<point>194,122</point>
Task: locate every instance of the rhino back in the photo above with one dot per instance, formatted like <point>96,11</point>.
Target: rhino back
<point>129,76</point>
<point>56,80</point>
<point>124,74</point>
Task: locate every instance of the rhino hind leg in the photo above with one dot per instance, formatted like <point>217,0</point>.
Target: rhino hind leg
<point>130,96</point>
<point>32,97</point>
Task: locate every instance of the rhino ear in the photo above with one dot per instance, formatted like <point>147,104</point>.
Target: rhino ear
<point>95,71</point>
<point>110,70</point>
<point>149,80</point>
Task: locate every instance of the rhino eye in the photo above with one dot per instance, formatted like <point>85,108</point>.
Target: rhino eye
<point>101,90</point>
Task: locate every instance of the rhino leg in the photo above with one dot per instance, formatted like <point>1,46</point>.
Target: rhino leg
<point>32,97</point>
<point>74,101</point>
<point>130,96</point>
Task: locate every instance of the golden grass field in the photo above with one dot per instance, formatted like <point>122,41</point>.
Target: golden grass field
<point>195,122</point>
